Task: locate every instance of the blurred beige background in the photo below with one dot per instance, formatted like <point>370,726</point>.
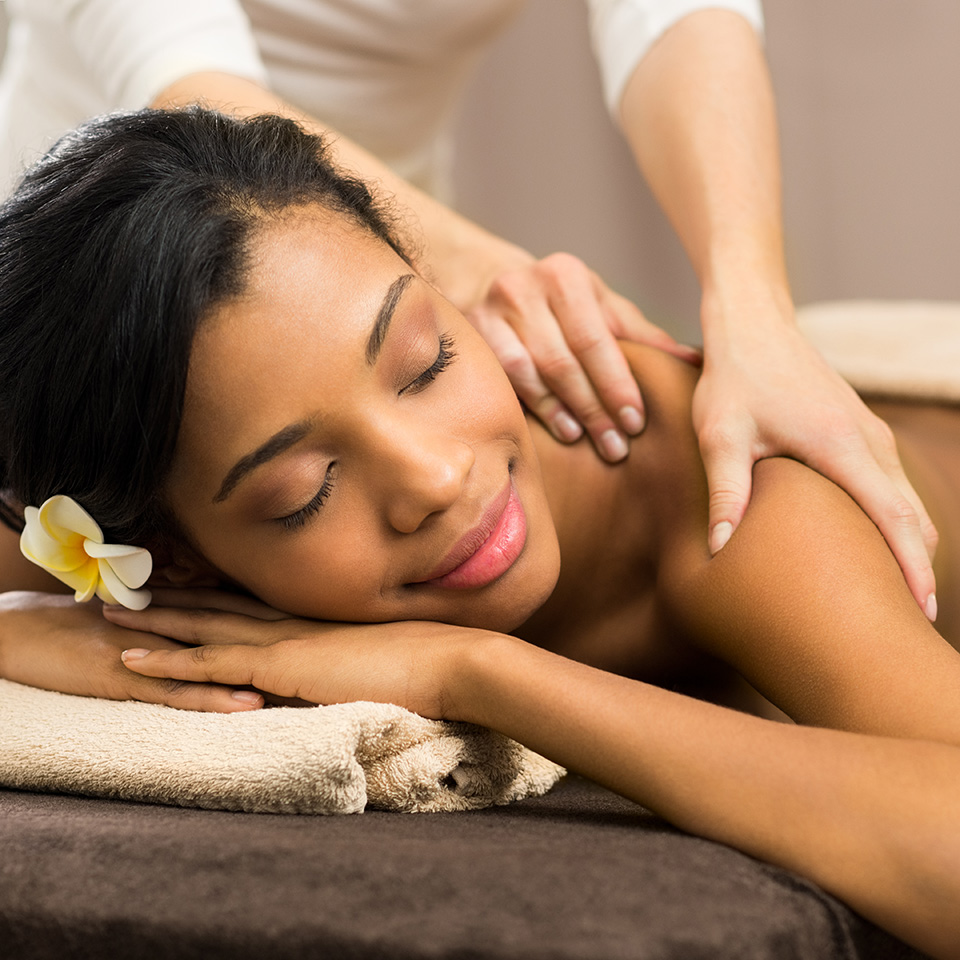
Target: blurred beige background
<point>868,93</point>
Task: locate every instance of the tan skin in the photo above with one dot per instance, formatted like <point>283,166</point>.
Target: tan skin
<point>806,601</point>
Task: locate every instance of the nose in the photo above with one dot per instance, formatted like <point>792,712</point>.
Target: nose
<point>423,473</point>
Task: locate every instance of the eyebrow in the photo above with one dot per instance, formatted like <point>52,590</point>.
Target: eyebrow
<point>289,436</point>
<point>384,315</point>
<point>277,444</point>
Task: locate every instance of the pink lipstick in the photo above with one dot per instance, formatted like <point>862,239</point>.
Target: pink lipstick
<point>489,550</point>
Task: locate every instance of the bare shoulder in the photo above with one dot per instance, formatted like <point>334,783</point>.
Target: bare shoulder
<point>663,458</point>
<point>623,518</point>
<point>664,464</point>
<point>666,383</point>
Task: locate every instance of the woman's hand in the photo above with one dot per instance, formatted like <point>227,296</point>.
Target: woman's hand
<point>411,664</point>
<point>52,642</point>
<point>554,326</point>
<point>767,392</point>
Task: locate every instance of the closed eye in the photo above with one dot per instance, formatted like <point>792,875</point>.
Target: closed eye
<point>298,519</point>
<point>445,356</point>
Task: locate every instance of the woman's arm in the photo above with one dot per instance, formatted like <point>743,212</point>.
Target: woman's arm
<point>699,114</point>
<point>871,819</point>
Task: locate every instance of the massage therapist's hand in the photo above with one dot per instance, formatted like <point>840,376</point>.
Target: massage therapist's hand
<point>768,393</point>
<point>52,642</point>
<point>412,664</point>
<point>554,326</point>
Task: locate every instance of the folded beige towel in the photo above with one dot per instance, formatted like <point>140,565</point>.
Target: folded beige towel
<point>908,349</point>
<point>336,759</point>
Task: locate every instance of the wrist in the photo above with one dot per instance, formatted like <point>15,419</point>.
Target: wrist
<point>744,306</point>
<point>475,679</point>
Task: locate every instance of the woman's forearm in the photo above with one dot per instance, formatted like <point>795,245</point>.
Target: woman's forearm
<point>871,819</point>
<point>700,117</point>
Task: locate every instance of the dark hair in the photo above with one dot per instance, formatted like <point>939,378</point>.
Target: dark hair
<point>112,250</point>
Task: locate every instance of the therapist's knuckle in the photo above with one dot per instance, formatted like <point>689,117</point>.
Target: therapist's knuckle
<point>564,267</point>
<point>585,338</point>
<point>717,439</point>
<point>514,290</point>
<point>902,514</point>
<point>558,365</point>
<point>515,361</point>
<point>882,437</point>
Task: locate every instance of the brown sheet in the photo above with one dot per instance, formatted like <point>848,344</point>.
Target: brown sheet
<point>578,873</point>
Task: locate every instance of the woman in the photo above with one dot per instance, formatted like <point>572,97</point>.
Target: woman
<point>256,385</point>
<point>687,82</point>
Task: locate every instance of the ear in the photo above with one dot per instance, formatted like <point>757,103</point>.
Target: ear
<point>182,566</point>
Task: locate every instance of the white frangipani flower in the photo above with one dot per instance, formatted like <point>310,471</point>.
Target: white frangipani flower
<point>66,541</point>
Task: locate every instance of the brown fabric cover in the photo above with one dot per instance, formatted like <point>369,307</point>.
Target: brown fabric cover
<point>579,873</point>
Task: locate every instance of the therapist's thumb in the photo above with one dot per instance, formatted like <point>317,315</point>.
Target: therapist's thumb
<point>729,468</point>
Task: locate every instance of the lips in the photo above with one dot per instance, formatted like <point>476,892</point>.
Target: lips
<point>487,551</point>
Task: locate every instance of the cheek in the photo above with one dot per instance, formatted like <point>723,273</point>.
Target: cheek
<point>483,390</point>
<point>323,579</point>
<point>329,571</point>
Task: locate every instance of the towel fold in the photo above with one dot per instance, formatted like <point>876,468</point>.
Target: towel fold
<point>335,759</point>
<point>908,349</point>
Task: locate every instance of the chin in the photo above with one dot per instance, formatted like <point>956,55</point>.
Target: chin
<point>520,593</point>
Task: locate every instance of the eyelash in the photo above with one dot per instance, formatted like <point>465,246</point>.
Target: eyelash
<point>296,520</point>
<point>445,356</point>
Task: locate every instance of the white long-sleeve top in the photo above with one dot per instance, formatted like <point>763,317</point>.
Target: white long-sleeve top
<point>386,73</point>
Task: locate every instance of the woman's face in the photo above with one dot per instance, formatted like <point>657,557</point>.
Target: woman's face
<point>350,447</point>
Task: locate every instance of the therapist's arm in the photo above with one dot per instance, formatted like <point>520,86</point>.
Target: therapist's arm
<point>553,323</point>
<point>699,114</point>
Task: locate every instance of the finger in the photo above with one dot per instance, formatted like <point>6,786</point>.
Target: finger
<point>884,448</point>
<point>928,531</point>
<point>525,303</point>
<point>212,599</point>
<point>601,372</point>
<point>895,516</point>
<point>228,664</point>
<point>729,468</point>
<point>522,372</point>
<point>566,378</point>
<point>185,695</point>
<point>193,625</point>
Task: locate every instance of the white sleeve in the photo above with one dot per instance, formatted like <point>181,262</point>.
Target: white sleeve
<point>624,30</point>
<point>133,49</point>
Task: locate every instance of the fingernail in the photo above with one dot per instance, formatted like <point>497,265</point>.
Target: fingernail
<point>613,445</point>
<point>565,427</point>
<point>632,420</point>
<point>135,654</point>
<point>246,696</point>
<point>930,607</point>
<point>720,535</point>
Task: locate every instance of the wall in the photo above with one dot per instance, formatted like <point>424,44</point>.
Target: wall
<point>871,139</point>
